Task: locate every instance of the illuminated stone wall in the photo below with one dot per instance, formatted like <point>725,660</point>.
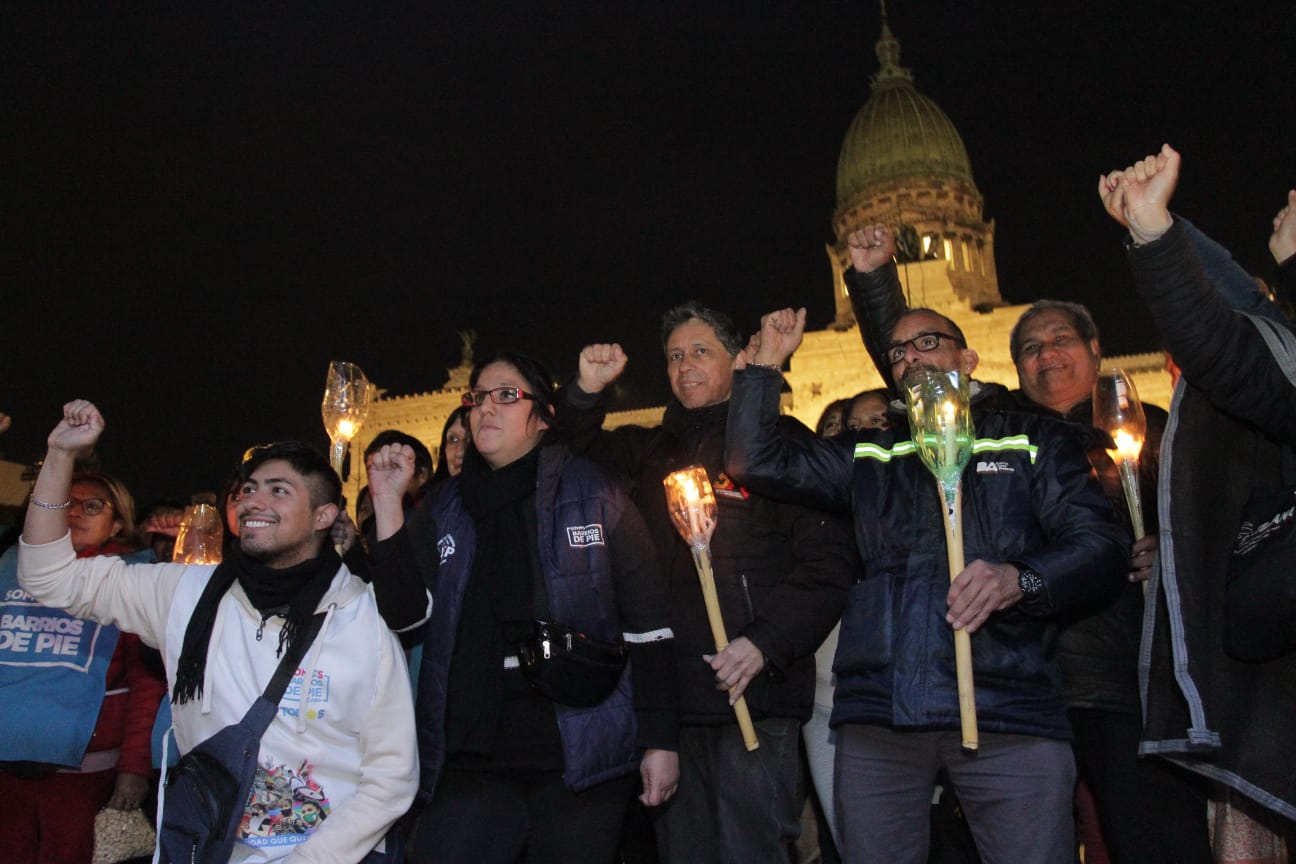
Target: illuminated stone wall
<point>832,364</point>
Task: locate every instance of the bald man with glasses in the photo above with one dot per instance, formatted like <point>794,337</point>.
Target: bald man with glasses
<point>1040,539</point>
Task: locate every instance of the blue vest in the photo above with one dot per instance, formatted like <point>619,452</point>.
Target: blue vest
<point>54,666</point>
<point>578,509</point>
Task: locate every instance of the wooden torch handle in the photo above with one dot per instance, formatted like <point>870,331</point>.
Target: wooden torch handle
<point>962,641</point>
<point>702,558</point>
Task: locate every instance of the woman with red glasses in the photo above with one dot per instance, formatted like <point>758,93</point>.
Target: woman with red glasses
<point>81,739</point>
<point>524,757</point>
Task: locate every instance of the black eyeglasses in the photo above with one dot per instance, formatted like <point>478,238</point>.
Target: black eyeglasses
<point>89,506</point>
<point>923,342</point>
<point>500,396</point>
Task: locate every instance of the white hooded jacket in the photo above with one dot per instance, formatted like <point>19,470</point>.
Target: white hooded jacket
<point>338,765</point>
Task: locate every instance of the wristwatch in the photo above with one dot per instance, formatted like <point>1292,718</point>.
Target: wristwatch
<point>1030,583</point>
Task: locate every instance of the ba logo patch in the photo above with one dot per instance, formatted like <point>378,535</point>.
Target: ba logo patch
<point>446,546</point>
<point>585,535</point>
<point>994,468</point>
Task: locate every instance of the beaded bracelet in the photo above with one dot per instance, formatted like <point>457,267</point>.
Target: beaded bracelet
<point>47,506</point>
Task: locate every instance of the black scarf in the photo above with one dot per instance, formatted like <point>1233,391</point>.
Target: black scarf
<point>692,426</point>
<point>293,592</point>
<point>498,602</point>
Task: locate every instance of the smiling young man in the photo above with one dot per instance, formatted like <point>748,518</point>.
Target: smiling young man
<point>1040,540</point>
<point>781,573</point>
<point>344,731</point>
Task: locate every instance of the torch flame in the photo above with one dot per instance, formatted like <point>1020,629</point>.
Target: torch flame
<point>1127,446</point>
<point>691,503</point>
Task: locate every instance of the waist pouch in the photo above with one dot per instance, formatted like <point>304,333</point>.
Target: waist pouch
<point>1260,594</point>
<point>207,790</point>
<point>569,667</point>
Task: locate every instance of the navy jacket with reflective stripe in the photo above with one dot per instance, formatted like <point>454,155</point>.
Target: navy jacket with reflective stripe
<point>1028,497</point>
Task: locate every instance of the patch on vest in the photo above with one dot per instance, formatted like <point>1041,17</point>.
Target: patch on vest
<point>726,488</point>
<point>585,535</point>
<point>446,546</point>
<point>994,468</point>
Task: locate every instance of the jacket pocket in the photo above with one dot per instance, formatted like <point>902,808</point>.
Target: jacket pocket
<point>746,592</point>
<point>866,629</point>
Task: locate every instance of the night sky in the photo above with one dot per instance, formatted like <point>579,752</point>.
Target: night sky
<point>204,203</point>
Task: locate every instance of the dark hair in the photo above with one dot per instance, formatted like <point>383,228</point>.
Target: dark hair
<point>841,406</point>
<point>422,456</point>
<point>954,329</point>
<point>362,524</point>
<point>460,416</point>
<point>876,393</point>
<point>536,378</point>
<point>1078,315</point>
<point>721,323</point>
<point>325,487</point>
<point>232,489</point>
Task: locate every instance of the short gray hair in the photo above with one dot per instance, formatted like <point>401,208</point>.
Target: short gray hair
<point>1078,315</point>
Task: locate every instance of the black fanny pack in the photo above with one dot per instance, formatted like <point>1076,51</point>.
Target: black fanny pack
<point>1260,593</point>
<point>569,667</point>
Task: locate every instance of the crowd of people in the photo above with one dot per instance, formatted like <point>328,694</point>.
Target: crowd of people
<point>510,656</point>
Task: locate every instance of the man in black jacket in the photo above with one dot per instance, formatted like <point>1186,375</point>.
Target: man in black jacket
<point>1148,810</point>
<point>1210,704</point>
<point>781,571</point>
<point>1040,538</point>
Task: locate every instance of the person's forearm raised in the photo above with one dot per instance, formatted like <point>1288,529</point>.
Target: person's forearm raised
<point>80,428</point>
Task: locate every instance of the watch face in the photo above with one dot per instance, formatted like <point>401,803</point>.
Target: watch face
<point>1031,583</point>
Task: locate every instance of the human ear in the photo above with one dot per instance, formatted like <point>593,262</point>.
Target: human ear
<point>325,516</point>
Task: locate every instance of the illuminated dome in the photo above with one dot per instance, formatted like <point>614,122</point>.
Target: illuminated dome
<point>898,133</point>
<point>904,164</point>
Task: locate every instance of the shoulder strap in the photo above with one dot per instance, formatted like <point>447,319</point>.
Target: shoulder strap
<point>1282,345</point>
<point>263,709</point>
<point>292,659</point>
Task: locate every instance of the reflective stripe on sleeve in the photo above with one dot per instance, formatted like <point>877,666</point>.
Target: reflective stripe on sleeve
<point>650,636</point>
<point>866,450</point>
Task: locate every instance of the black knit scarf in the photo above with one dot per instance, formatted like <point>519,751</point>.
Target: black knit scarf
<point>498,601</point>
<point>293,592</point>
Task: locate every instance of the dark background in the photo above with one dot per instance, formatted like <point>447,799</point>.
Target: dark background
<point>204,203</point>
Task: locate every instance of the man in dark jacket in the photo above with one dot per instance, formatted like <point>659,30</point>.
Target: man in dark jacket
<point>781,572</point>
<point>1148,810</point>
<point>1211,704</point>
<point>1040,538</point>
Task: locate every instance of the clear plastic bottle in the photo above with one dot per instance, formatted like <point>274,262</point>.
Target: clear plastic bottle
<point>199,540</point>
